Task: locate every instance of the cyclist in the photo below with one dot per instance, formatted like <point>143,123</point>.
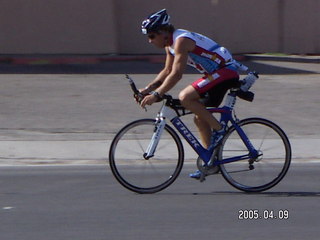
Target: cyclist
<point>183,48</point>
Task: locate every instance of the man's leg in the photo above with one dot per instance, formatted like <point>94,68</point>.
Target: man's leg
<point>205,131</point>
<point>204,120</point>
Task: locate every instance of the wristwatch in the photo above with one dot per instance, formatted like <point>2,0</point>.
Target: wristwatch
<point>157,95</point>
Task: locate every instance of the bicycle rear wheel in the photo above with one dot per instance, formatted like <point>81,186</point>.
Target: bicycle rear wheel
<point>262,172</point>
<point>132,170</point>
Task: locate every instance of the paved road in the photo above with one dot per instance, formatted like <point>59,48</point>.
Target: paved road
<point>85,203</point>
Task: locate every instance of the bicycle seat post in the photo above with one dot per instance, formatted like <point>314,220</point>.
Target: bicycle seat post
<point>230,100</point>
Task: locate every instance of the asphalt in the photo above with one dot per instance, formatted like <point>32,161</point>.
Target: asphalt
<point>86,203</point>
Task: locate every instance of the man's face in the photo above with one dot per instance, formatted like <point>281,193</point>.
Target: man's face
<point>159,39</point>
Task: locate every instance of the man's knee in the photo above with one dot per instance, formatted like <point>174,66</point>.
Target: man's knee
<point>188,95</point>
<point>183,97</point>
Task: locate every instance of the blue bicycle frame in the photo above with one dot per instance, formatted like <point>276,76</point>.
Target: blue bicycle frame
<point>167,112</point>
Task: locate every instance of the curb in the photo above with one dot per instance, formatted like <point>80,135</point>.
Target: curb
<point>76,59</point>
<point>288,58</point>
<point>96,59</point>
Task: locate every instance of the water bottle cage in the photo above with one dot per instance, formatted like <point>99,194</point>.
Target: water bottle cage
<point>248,96</point>
<point>246,84</point>
<point>248,81</point>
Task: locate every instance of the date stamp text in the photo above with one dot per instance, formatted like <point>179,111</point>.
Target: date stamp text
<point>255,214</point>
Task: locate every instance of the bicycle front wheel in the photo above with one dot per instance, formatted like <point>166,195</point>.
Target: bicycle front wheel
<point>263,171</point>
<point>132,170</point>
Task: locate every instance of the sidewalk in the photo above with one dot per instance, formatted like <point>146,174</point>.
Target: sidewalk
<point>96,152</point>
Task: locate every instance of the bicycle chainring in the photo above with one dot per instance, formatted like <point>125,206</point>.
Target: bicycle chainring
<point>207,170</point>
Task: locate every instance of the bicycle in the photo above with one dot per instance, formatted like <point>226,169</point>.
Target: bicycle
<point>147,155</point>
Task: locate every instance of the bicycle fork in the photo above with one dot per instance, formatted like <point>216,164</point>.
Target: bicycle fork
<point>157,132</point>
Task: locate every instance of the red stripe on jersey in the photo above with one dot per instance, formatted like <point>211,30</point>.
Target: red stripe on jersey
<point>211,55</point>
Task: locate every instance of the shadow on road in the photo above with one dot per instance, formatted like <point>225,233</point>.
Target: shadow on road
<point>270,194</point>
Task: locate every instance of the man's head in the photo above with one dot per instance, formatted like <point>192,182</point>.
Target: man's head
<point>158,28</point>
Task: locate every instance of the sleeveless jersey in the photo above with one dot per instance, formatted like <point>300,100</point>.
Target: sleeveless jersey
<point>208,56</point>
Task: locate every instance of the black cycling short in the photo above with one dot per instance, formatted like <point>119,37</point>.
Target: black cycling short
<point>214,96</point>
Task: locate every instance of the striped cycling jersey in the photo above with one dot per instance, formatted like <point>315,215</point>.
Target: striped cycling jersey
<point>208,56</point>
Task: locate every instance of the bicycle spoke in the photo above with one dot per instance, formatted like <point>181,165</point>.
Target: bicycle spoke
<point>135,172</point>
<point>264,171</point>
<point>140,144</point>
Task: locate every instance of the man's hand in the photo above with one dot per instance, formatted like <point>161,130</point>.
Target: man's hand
<point>148,100</point>
<point>142,93</point>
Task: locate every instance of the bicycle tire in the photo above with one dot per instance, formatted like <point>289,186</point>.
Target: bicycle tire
<point>265,171</point>
<point>141,175</point>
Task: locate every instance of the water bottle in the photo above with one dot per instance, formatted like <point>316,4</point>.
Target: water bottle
<point>248,81</point>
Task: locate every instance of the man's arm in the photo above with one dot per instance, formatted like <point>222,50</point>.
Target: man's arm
<point>182,47</point>
<point>162,75</point>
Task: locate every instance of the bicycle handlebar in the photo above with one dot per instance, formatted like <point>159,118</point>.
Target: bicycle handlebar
<point>138,93</point>
<point>133,85</point>
<point>245,95</point>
